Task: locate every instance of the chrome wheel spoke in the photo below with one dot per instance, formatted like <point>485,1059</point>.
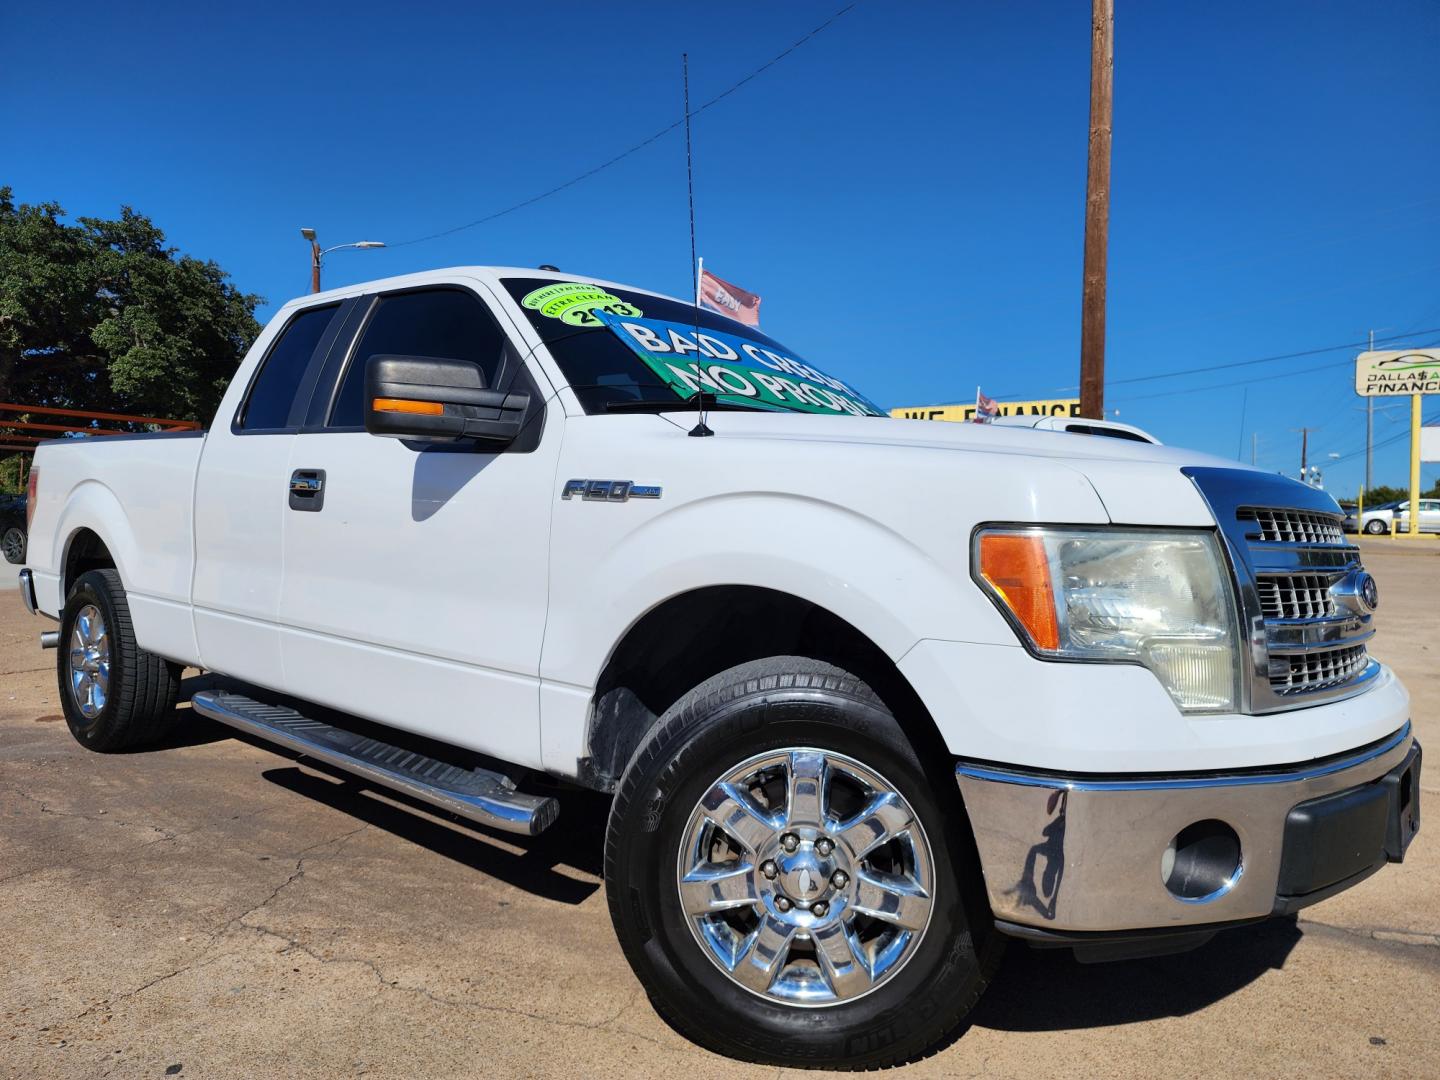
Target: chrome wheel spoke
<point>844,969</point>
<point>882,820</point>
<point>892,898</point>
<point>738,815</point>
<point>764,953</point>
<point>708,889</point>
<point>805,789</point>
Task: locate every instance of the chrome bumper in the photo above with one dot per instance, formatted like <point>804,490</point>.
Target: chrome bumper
<point>27,591</point>
<point>1079,854</point>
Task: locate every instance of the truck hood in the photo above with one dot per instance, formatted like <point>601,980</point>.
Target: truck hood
<point>1139,483</point>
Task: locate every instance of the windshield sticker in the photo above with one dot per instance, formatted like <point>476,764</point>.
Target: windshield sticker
<point>575,303</point>
<point>734,368</point>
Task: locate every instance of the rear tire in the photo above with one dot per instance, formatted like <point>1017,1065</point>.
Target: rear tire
<point>782,716</point>
<point>115,695</point>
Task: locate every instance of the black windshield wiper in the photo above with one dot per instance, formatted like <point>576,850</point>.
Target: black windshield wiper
<point>690,404</point>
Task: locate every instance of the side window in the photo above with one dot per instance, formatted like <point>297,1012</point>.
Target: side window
<point>272,392</point>
<point>449,323</point>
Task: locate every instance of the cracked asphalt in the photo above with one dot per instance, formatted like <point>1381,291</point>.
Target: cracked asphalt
<point>214,909</point>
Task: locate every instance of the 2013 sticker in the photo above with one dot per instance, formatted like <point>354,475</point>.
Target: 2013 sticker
<point>575,303</point>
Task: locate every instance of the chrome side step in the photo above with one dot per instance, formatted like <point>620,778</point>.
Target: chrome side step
<point>482,796</point>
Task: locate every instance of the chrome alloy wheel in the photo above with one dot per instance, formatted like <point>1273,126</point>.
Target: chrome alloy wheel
<point>806,877</point>
<point>12,545</point>
<point>89,661</point>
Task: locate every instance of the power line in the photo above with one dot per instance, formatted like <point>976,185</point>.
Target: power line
<point>1223,367</point>
<point>638,146</point>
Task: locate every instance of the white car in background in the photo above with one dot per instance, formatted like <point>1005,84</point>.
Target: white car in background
<point>1079,425</point>
<point>1379,520</point>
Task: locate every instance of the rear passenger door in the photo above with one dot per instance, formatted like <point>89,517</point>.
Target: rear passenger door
<point>414,591</point>
<point>240,497</point>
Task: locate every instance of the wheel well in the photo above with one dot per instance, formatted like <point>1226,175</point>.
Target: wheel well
<point>85,552</point>
<point>687,639</point>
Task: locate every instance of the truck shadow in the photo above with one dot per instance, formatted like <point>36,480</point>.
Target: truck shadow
<point>1048,990</point>
<point>531,863</point>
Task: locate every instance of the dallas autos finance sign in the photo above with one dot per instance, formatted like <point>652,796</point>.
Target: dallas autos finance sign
<point>1401,371</point>
<point>734,368</point>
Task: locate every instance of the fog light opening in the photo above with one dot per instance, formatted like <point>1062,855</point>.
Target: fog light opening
<point>1202,862</point>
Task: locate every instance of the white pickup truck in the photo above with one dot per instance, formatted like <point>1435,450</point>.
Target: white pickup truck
<point>872,695</point>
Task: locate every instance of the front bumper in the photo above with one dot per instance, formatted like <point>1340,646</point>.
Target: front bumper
<point>1069,857</point>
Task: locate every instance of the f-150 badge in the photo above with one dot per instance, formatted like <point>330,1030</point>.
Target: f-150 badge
<point>609,490</point>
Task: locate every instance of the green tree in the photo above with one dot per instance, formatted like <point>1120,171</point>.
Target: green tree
<point>101,315</point>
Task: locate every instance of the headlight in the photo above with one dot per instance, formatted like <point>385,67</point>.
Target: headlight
<point>1161,599</point>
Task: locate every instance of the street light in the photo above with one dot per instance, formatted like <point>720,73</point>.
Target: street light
<point>317,256</point>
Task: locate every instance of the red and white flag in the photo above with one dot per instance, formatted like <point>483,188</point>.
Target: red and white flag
<point>985,408</point>
<point>727,299</point>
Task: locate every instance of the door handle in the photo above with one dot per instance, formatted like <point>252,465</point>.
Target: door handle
<point>307,489</point>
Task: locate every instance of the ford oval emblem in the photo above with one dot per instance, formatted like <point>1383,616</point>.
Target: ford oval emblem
<point>1369,592</point>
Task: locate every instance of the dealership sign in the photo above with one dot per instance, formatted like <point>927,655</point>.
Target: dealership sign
<point>966,413</point>
<point>1397,372</point>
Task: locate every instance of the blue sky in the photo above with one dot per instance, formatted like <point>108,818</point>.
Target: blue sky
<point>905,190</point>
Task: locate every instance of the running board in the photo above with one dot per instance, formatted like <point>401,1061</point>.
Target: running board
<point>488,798</point>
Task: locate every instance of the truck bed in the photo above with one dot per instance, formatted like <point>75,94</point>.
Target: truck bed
<point>136,491</point>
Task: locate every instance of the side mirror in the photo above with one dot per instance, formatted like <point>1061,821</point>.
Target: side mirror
<point>428,397</point>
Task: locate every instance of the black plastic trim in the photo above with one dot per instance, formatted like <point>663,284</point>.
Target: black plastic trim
<point>1103,946</point>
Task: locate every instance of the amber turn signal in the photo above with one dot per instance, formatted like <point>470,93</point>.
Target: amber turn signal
<point>1016,567</point>
<point>425,408</point>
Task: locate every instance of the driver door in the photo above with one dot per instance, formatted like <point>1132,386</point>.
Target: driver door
<point>415,573</point>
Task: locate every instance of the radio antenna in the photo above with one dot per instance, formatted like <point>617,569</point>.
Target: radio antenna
<point>701,429</point>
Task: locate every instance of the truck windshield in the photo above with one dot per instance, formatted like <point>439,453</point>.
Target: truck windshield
<point>617,346</point>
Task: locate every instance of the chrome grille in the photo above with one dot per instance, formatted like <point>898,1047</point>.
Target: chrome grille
<point>1297,596</point>
<point>1287,550</point>
<point>1304,672</point>
<point>1270,526</point>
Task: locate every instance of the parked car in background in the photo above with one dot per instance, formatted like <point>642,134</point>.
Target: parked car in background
<point>1380,519</point>
<point>1110,429</point>
<point>12,528</point>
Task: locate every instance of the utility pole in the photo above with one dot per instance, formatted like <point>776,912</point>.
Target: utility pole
<point>1304,450</point>
<point>1254,445</point>
<point>1370,432</point>
<point>315,253</point>
<point>1097,209</point>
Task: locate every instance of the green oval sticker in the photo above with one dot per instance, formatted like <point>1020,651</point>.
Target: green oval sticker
<point>573,302</point>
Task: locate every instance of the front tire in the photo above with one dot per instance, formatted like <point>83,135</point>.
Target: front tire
<point>115,695</point>
<point>788,883</point>
<point>1376,527</point>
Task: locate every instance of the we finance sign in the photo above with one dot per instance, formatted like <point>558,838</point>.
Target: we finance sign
<point>966,413</point>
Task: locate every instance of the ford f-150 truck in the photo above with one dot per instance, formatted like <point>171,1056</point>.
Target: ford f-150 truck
<point>872,696</point>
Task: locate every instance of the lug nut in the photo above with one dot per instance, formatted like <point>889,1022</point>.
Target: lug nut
<point>819,908</point>
<point>783,903</point>
<point>769,869</point>
<point>839,879</point>
<point>824,845</point>
<point>789,841</point>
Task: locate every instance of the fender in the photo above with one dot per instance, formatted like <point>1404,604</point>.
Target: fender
<point>156,573</point>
